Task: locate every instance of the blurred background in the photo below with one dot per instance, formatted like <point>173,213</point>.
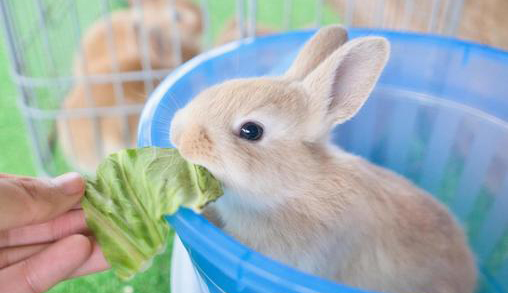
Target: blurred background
<point>75,74</point>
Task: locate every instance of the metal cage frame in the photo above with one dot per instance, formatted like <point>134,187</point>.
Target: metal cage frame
<point>444,18</point>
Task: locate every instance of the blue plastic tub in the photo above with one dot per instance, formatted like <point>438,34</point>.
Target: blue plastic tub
<point>438,116</point>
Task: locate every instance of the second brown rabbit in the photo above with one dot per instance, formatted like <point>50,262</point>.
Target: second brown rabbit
<point>482,21</point>
<point>77,133</point>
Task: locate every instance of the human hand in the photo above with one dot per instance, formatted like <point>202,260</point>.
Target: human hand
<point>43,234</point>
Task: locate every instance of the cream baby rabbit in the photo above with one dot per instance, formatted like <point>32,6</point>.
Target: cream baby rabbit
<point>298,199</point>
<point>77,135</point>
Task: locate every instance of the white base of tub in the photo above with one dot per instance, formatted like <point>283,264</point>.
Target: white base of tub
<point>184,278</point>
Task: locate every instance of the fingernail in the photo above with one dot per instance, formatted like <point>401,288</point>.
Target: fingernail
<point>69,183</point>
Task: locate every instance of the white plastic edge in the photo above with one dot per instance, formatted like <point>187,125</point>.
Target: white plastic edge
<point>184,278</point>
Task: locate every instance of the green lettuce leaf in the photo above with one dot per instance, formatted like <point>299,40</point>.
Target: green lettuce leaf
<point>133,189</point>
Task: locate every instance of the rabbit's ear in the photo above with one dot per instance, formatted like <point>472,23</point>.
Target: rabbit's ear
<point>345,79</point>
<point>320,46</point>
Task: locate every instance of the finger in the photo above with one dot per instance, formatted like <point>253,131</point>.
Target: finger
<point>25,201</point>
<point>42,271</point>
<point>77,206</point>
<point>96,263</point>
<point>5,175</point>
<point>11,255</point>
<point>72,222</point>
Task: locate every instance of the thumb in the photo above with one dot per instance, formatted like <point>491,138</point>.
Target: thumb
<point>25,201</point>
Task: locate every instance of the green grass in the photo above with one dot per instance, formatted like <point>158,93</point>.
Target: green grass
<point>16,156</point>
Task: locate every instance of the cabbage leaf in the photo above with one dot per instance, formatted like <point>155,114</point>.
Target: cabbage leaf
<point>126,201</point>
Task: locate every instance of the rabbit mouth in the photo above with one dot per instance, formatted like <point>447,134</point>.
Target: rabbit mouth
<point>207,161</point>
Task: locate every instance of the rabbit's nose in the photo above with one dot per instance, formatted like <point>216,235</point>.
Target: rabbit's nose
<point>175,135</point>
<point>194,143</point>
<point>177,125</point>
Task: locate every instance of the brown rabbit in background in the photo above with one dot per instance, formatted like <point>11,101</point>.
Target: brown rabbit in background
<point>482,21</point>
<point>295,197</point>
<point>153,16</point>
<point>77,135</point>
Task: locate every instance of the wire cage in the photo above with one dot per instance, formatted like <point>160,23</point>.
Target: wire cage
<point>83,69</point>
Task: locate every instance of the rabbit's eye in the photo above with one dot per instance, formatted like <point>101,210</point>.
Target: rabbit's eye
<point>251,131</point>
